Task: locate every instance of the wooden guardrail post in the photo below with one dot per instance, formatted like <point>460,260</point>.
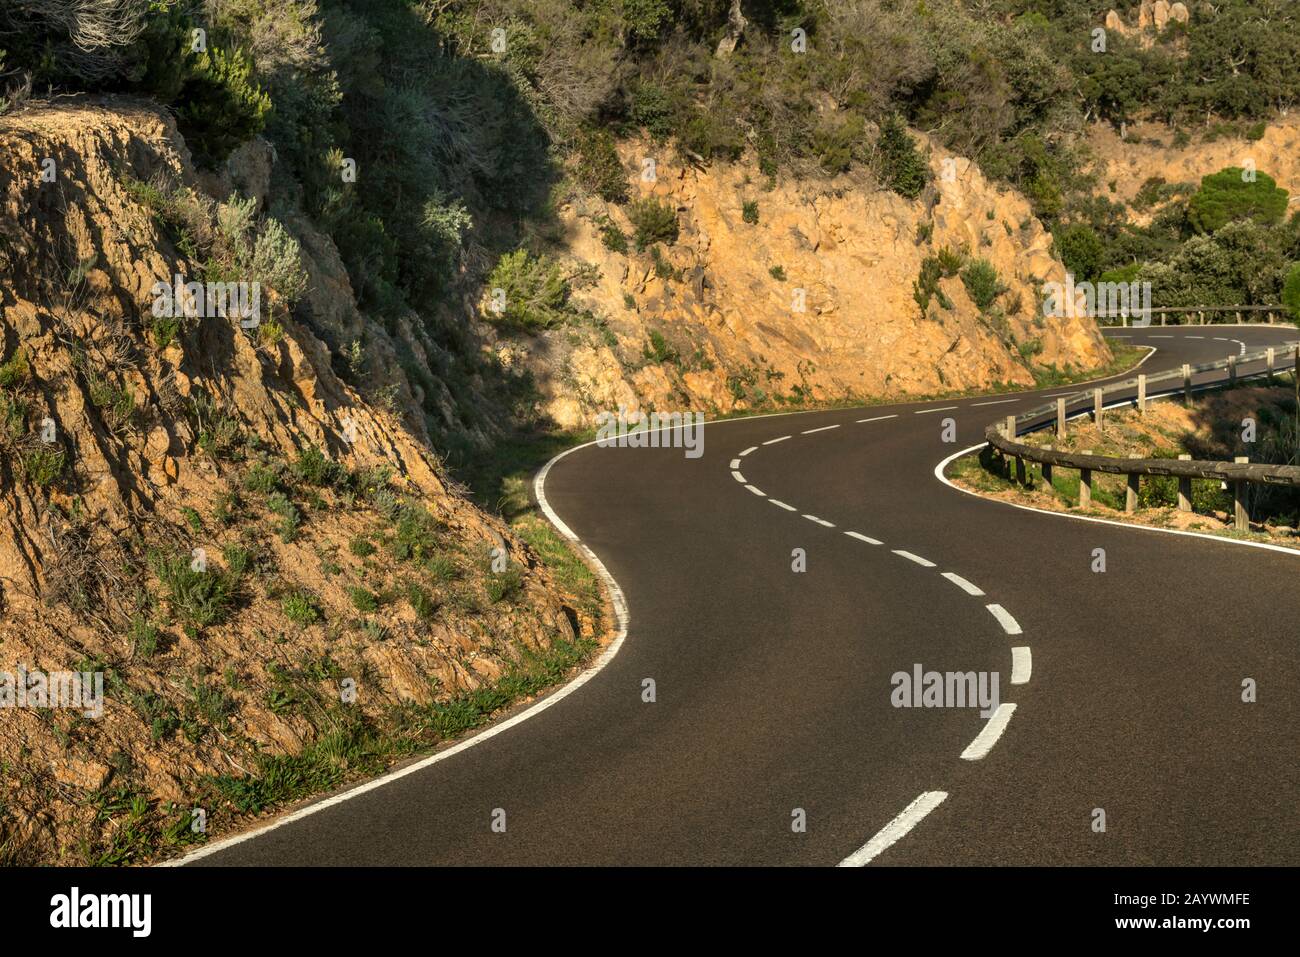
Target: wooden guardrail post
<point>1085,485</point>
<point>1142,393</point>
<point>1046,469</point>
<point>1021,477</point>
<point>1096,408</point>
<point>1241,500</point>
<point>1187,385</point>
<point>1060,417</point>
<point>1270,361</point>
<point>1184,488</point>
<point>1202,315</point>
<point>1131,492</point>
<point>1232,370</point>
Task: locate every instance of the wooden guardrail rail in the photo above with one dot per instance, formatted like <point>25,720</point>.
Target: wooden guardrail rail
<point>1241,473</point>
<point>1272,314</point>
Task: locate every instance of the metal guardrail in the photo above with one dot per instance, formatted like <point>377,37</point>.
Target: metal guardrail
<point>1002,436</point>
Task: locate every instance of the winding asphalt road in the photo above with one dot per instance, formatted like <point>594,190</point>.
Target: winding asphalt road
<point>773,687</point>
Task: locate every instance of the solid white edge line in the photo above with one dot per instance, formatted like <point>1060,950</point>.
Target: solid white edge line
<point>774,441</point>
<point>738,477</point>
<point>1022,665</point>
<point>890,834</point>
<point>864,538</point>
<point>824,428</point>
<point>990,733</point>
<point>619,602</point>
<point>781,504</point>
<point>963,584</point>
<point>880,418</point>
<point>923,562</point>
<point>1009,624</point>
<point>757,491</point>
<point>938,473</point>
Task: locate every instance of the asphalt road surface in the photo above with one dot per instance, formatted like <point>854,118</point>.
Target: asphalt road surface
<point>773,687</point>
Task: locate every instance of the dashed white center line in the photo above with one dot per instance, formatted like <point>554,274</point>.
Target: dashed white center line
<point>819,521</point>
<point>735,463</point>
<point>864,538</point>
<point>1193,337</point>
<point>1057,395</point>
<point>990,733</point>
<point>962,583</point>
<point>1009,624</point>
<point>824,428</point>
<point>774,441</point>
<point>1022,665</point>
<point>738,477</point>
<point>997,402</point>
<point>889,835</point>
<point>748,450</point>
<point>942,408</point>
<point>778,502</point>
<point>757,491</point>
<point>924,563</point>
<point>880,418</point>
<point>1159,337</point>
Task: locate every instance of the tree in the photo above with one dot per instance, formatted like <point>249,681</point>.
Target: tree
<point>1291,292</point>
<point>1081,249</point>
<point>902,167</point>
<point>1231,194</point>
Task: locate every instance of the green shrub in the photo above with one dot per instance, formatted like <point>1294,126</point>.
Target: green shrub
<point>777,273</point>
<point>361,547</point>
<point>363,599</point>
<point>611,236</point>
<point>220,104</point>
<point>981,281</point>
<point>15,370</point>
<point>300,608</point>
<point>503,585</point>
<point>654,222</point>
<point>599,168</point>
<point>749,212</point>
<point>1225,196</point>
<point>197,598</point>
<point>902,167</point>
<point>659,349</point>
<point>1081,249</point>
<point>1291,292</point>
<point>43,465</point>
<point>536,291</point>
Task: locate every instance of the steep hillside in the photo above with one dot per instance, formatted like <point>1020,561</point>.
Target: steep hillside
<point>796,290</point>
<point>274,577</point>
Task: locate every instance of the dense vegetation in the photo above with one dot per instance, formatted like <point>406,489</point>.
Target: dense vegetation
<point>468,118</point>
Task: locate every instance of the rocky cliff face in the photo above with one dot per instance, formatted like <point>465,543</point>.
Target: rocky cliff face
<point>814,300</point>
<point>1151,152</point>
<point>209,516</point>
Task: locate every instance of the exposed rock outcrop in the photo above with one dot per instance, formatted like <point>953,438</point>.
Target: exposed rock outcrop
<point>814,300</point>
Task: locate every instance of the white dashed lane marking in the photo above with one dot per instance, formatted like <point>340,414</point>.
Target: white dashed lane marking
<point>748,450</point>
<point>774,441</point>
<point>864,538</point>
<point>781,504</point>
<point>990,733</point>
<point>735,463</point>
<point>976,405</point>
<point>942,408</point>
<point>824,428</point>
<point>820,521</point>
<point>757,491</point>
<point>923,562</point>
<point>1009,624</point>
<point>962,583</point>
<point>889,835</point>
<point>738,477</point>
<point>1022,665</point>
<point>880,418</point>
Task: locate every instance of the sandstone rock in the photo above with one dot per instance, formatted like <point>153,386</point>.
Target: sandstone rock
<point>87,775</point>
<point>1160,14</point>
<point>1178,12</point>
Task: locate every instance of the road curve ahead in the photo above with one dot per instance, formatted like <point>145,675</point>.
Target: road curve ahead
<point>1120,692</point>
